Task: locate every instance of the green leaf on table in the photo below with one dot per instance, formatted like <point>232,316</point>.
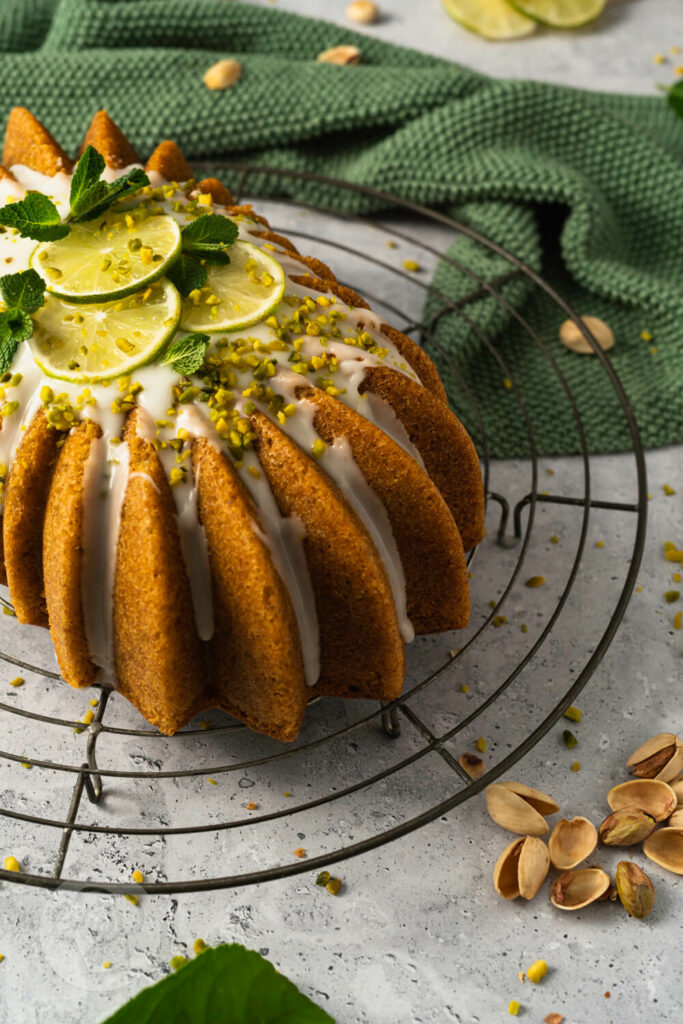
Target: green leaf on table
<point>15,327</point>
<point>187,354</point>
<point>36,216</point>
<point>226,985</point>
<point>24,291</point>
<point>90,196</point>
<point>208,236</point>
<point>675,96</point>
<point>187,274</point>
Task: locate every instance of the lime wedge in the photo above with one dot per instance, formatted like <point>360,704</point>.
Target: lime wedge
<point>98,341</point>
<point>107,258</point>
<point>236,295</point>
<point>561,13</point>
<point>493,19</point>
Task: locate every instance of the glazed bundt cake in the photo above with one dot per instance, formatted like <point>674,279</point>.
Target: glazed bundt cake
<point>226,482</point>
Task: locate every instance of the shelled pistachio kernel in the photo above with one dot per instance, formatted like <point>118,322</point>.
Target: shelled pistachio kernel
<point>333,886</point>
<point>339,55</point>
<point>573,338</point>
<point>223,74</point>
<point>363,12</point>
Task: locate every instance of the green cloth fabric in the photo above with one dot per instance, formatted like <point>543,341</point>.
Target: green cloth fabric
<point>586,188</point>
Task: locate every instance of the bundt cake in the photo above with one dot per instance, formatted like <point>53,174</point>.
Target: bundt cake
<point>226,482</point>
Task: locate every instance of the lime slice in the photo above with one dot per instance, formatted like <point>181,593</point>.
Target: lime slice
<point>561,13</point>
<point>103,340</point>
<point>107,258</point>
<point>493,19</point>
<point>240,293</point>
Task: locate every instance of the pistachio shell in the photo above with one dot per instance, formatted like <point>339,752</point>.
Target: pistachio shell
<point>571,842</point>
<point>472,764</point>
<point>659,758</point>
<point>636,891</point>
<point>539,800</point>
<point>626,827</point>
<point>665,847</point>
<point>521,868</point>
<point>576,889</point>
<point>676,819</point>
<point>340,55</point>
<point>511,811</point>
<point>653,796</point>
<point>677,786</point>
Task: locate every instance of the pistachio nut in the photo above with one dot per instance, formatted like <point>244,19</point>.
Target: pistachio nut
<point>571,842</point>
<point>521,868</point>
<point>364,12</point>
<point>472,764</point>
<point>573,338</point>
<point>636,891</point>
<point>665,847</point>
<point>677,786</point>
<point>676,819</point>
<point>519,808</point>
<point>339,55</point>
<point>660,758</point>
<point>573,890</point>
<point>223,74</point>
<point>626,827</point>
<point>653,796</point>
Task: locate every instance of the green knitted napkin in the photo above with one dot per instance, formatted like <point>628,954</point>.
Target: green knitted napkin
<point>586,188</point>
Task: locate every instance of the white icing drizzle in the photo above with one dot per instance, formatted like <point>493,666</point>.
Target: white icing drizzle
<point>107,471</point>
<point>105,479</point>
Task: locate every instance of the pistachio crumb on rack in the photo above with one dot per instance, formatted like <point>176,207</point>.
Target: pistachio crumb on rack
<point>199,946</point>
<point>573,714</point>
<point>514,1007</point>
<point>131,899</point>
<point>106,965</point>
<point>481,744</point>
<point>17,681</point>
<point>178,961</point>
<point>668,490</point>
<point>12,864</point>
<point>535,581</point>
<point>138,876</point>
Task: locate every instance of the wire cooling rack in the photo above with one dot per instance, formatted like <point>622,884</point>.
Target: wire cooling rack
<point>217,806</point>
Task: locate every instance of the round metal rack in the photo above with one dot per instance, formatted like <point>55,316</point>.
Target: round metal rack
<point>369,774</point>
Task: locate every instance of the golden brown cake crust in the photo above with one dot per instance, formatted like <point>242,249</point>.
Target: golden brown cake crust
<point>361,650</point>
<point>168,161</point>
<point>23,518</point>
<point>446,448</point>
<point>62,556</point>
<point>255,655</point>
<point>27,142</point>
<point>109,141</point>
<point>424,530</point>
<point>214,188</point>
<point>159,661</point>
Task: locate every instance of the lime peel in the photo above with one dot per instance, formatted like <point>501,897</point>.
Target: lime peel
<point>99,264</point>
<point>100,341</point>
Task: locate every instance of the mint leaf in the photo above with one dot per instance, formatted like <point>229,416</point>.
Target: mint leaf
<point>15,327</point>
<point>24,291</point>
<point>90,196</point>
<point>101,196</point>
<point>208,237</point>
<point>675,97</point>
<point>187,274</point>
<point>187,354</point>
<point>88,171</point>
<point>36,216</point>
<point>226,985</point>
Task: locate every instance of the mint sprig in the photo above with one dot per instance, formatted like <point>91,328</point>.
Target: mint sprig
<point>208,237</point>
<point>36,216</point>
<point>90,197</point>
<point>186,355</point>
<point>205,240</point>
<point>229,983</point>
<point>24,291</point>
